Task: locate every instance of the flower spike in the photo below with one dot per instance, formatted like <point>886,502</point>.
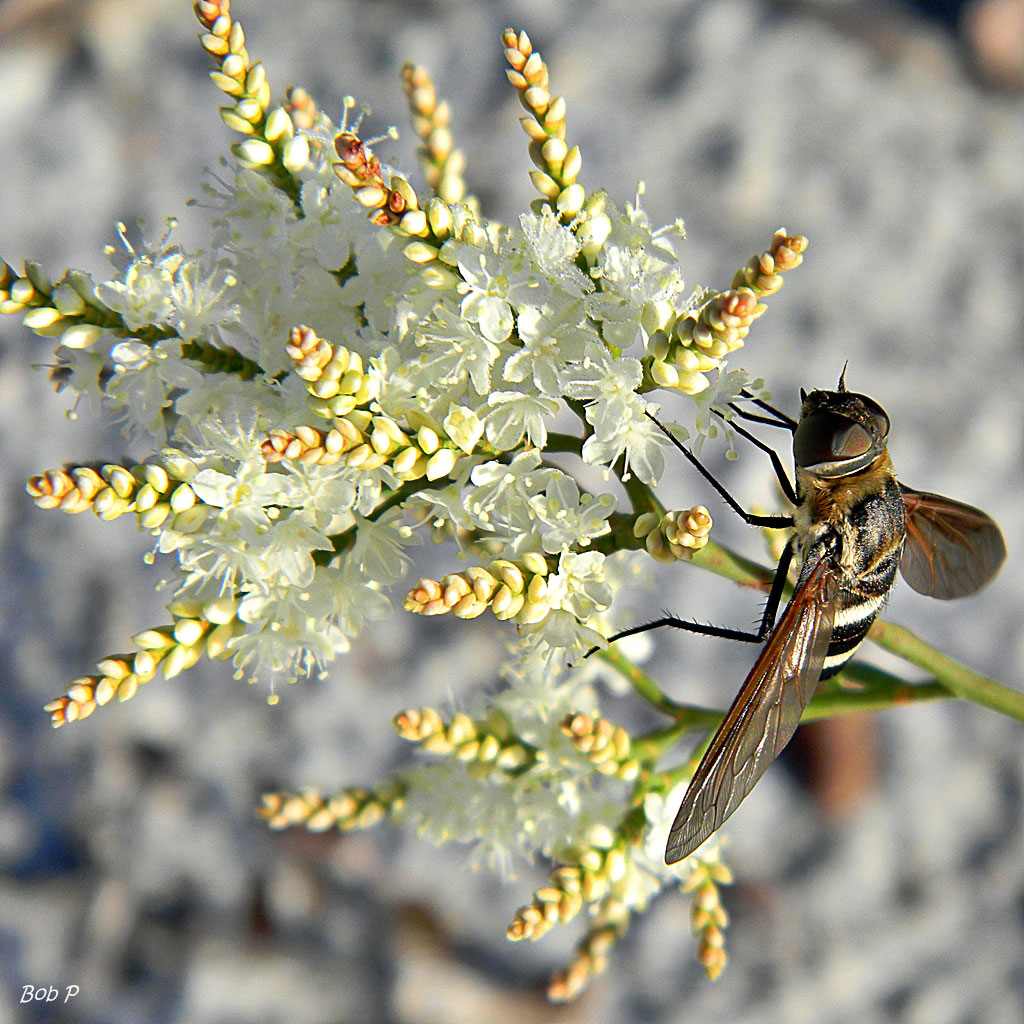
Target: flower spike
<point>558,164</point>
<point>198,630</point>
<point>271,144</point>
<point>442,163</point>
<point>353,808</point>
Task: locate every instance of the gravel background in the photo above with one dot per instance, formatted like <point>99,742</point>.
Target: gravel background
<point>130,861</point>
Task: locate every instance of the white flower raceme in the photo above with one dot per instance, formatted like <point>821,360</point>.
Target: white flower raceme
<point>350,364</point>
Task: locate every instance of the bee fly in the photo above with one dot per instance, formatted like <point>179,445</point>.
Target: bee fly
<point>854,525</point>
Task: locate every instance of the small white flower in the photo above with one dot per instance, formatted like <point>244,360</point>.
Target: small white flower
<point>202,300</point>
<point>144,378</point>
<point>463,426</point>
<point>568,518</point>
<point>379,548</point>
<point>552,336</point>
<point>553,248</point>
<point>454,350</point>
<point>513,415</point>
<point>143,297</point>
<point>617,413</point>
<point>493,286</point>
<point>505,490</point>
<point>579,585</point>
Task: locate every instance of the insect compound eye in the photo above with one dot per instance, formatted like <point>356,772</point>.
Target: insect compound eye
<point>826,437</point>
<point>876,419</point>
<point>880,422</point>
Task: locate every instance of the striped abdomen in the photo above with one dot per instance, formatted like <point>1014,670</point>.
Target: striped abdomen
<point>876,525</point>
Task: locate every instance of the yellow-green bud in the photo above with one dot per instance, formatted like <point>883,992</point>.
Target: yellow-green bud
<point>545,184</point>
<point>235,121</point>
<point>428,440</point>
<point>80,336</point>
<point>279,125</point>
<point>155,517</point>
<point>371,196</point>
<point>68,301</point>
<point>439,217</point>
<point>420,252</point>
<point>226,83</point>
<point>188,632</point>
<point>509,573</point>
<point>250,108</point>
<point>554,151</point>
<point>254,152</point>
<point>191,519</point>
<point>535,562</point>
<point>22,291</point>
<point>440,464</point>
<point>179,659</point>
<point>41,318</point>
<point>414,223</point>
<point>593,233</point>
<point>572,165</point>
<point>664,374</point>
<point>295,154</point>
<point>221,610</point>
<point>405,460</point>
<point>570,200</point>
<point>156,476</point>
<point>693,383</point>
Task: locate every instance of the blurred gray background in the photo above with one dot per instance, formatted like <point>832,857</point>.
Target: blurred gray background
<point>880,869</point>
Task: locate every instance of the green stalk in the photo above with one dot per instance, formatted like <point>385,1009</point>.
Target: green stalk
<point>964,682</point>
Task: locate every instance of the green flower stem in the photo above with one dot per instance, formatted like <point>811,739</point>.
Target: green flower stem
<point>564,443</point>
<point>962,681</point>
<point>879,691</point>
<point>735,567</point>
<point>646,687</point>
<point>222,359</point>
<point>654,744</point>
<point>849,702</point>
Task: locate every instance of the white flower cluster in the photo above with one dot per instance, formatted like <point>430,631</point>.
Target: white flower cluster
<point>315,389</point>
<point>490,341</point>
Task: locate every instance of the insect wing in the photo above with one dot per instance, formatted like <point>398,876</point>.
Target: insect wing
<point>764,715</point>
<point>951,549</point>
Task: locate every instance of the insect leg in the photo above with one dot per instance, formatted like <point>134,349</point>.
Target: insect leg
<point>754,417</point>
<point>780,418</point>
<point>747,517</point>
<point>771,609</point>
<point>780,470</point>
